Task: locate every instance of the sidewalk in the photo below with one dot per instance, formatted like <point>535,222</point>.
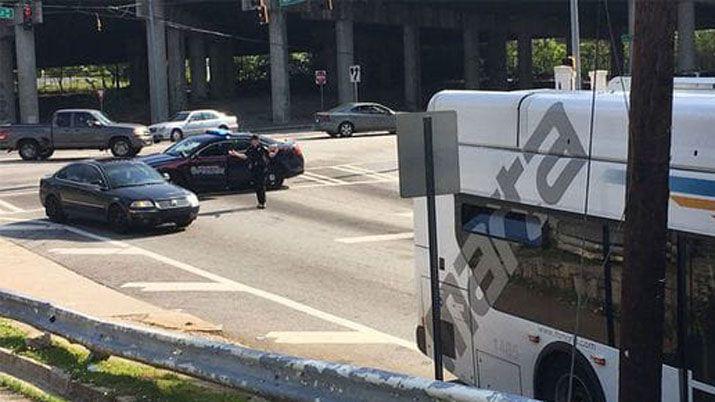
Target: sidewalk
<point>25,272</point>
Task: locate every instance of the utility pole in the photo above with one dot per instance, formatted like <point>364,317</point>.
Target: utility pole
<point>647,193</point>
<point>575,41</point>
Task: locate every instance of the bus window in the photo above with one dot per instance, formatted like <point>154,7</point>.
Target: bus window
<point>544,287</point>
<point>501,224</point>
<point>701,313</point>
<point>670,329</point>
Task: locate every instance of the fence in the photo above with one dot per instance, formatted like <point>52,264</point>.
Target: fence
<point>267,374</point>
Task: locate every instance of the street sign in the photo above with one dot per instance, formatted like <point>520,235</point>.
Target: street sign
<point>321,77</point>
<point>355,74</point>
<point>412,140</point>
<point>7,13</point>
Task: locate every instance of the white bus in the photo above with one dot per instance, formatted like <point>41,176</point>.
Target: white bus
<point>541,205</point>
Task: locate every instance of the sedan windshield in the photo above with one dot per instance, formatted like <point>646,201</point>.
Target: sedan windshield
<point>181,116</point>
<point>131,174</point>
<point>184,148</point>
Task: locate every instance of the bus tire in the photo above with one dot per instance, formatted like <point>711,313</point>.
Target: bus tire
<point>551,382</point>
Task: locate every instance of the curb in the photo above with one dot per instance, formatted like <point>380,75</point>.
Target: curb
<point>50,379</point>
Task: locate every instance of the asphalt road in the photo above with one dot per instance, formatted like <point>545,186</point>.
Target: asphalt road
<point>325,272</point>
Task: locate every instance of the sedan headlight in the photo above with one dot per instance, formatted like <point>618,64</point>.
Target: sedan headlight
<point>193,200</point>
<point>142,204</point>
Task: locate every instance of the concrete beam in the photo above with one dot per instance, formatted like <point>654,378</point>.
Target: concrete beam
<point>177,69</point>
<point>156,56</point>
<point>525,59</point>
<point>7,77</point>
<point>346,55</point>
<point>26,74</point>
<point>686,36</point>
<point>413,70</point>
<point>197,64</point>
<point>470,40</point>
<point>280,79</point>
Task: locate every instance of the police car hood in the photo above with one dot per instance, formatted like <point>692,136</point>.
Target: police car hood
<point>160,191</point>
<point>156,160</point>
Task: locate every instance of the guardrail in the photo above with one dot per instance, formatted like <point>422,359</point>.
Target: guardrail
<point>263,373</point>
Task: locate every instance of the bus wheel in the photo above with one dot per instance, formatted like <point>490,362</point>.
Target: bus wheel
<point>553,381</point>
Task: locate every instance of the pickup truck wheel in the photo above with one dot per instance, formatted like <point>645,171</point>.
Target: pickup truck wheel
<point>29,150</point>
<point>176,135</point>
<point>121,148</point>
<point>46,153</point>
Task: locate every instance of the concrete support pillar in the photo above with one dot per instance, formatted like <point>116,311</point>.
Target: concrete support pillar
<point>470,35</point>
<point>631,32</point>
<point>177,70</point>
<point>7,77</point>
<point>411,44</point>
<point>346,54</point>
<point>496,58</point>
<point>138,69</point>
<point>229,68</point>
<point>686,36</point>
<point>26,74</point>
<point>216,69</point>
<point>197,64</point>
<point>156,56</point>
<point>280,79</point>
<point>526,62</point>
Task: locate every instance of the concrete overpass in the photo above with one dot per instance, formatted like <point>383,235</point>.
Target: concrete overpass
<point>401,44</point>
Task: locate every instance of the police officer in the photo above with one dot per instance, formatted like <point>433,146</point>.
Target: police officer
<point>258,159</point>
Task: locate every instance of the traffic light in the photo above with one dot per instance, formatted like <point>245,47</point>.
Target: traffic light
<point>27,17</point>
<point>263,17</point>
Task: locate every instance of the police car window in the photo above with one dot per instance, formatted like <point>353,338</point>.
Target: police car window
<point>220,149</point>
<point>239,145</point>
<point>63,119</point>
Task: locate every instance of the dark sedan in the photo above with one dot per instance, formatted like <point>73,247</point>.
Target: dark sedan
<point>201,163</point>
<point>123,193</point>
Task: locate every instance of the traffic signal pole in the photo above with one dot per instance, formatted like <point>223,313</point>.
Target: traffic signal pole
<point>647,194</point>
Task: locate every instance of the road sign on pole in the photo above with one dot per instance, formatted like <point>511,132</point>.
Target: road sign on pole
<point>7,13</point>
<point>321,78</point>
<point>355,77</point>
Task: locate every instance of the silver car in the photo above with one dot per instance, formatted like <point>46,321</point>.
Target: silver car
<point>188,123</point>
<point>350,118</point>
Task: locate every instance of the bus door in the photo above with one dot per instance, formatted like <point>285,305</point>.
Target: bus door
<point>700,301</point>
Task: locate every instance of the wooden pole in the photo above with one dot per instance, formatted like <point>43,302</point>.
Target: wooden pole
<point>646,213</point>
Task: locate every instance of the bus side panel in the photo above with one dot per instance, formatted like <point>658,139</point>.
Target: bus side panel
<point>510,176</point>
<point>457,348</point>
<point>692,197</point>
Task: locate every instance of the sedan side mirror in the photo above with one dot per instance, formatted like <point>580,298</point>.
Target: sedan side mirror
<point>166,176</point>
<point>95,124</point>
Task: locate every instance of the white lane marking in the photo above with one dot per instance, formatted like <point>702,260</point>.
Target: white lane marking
<point>325,337</point>
<point>350,183</point>
<point>24,211</point>
<point>182,286</point>
<point>407,214</point>
<point>19,193</point>
<point>329,179</point>
<point>364,172</point>
<point>27,228</point>
<point>10,207</point>
<point>376,238</point>
<point>93,251</point>
<point>240,287</point>
<point>307,175</point>
<point>10,219</point>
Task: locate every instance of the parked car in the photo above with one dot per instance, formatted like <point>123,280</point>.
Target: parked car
<point>74,129</point>
<point>123,193</point>
<point>350,118</point>
<point>201,163</point>
<point>188,123</point>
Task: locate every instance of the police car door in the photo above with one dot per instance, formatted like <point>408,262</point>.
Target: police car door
<point>238,173</point>
<point>207,168</point>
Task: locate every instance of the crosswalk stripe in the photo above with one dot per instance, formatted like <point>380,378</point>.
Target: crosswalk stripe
<point>332,180</point>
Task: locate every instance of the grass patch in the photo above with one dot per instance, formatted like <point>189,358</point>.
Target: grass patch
<point>122,376</point>
<point>27,390</point>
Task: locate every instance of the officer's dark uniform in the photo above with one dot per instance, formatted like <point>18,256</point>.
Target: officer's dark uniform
<point>258,160</point>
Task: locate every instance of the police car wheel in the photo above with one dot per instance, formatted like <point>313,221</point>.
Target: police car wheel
<point>274,181</point>
<point>346,129</point>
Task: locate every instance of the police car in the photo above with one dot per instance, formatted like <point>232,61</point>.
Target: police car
<point>201,163</point>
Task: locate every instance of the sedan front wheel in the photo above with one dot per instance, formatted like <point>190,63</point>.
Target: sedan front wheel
<point>346,129</point>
